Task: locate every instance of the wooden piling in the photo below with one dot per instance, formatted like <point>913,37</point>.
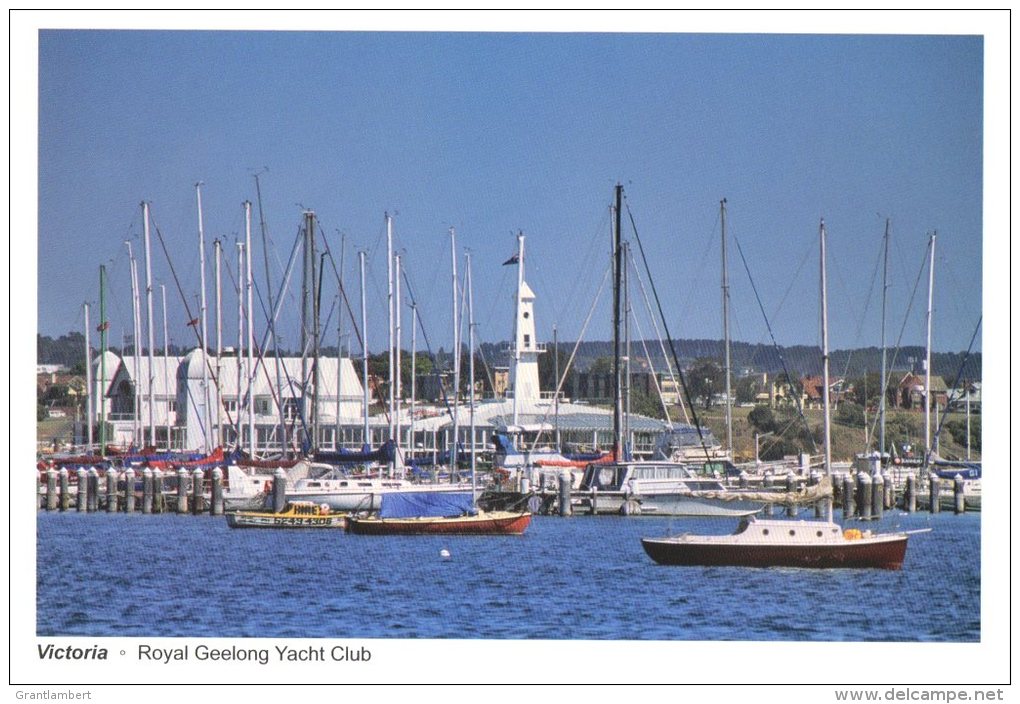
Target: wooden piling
<point>93,482</point>
<point>182,490</point>
<point>83,490</point>
<point>564,498</point>
<point>959,500</point>
<point>791,488</point>
<point>877,496</point>
<point>848,496</point>
<point>197,493</point>
<point>217,493</point>
<point>129,490</point>
<point>279,490</point>
<point>593,508</point>
<point>51,490</point>
<point>890,490</point>
<point>743,479</point>
<point>910,494</point>
<point>864,496</point>
<point>111,490</point>
<point>933,493</point>
<point>65,489</point>
<point>158,498</point>
<point>814,478</point>
<point>147,490</point>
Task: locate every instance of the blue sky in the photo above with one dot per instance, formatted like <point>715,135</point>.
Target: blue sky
<point>495,133</point>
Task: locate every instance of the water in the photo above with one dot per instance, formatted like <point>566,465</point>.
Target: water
<point>577,578</point>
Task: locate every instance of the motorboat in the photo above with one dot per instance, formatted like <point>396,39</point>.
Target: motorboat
<point>296,514</point>
<point>783,543</point>
<point>660,489</point>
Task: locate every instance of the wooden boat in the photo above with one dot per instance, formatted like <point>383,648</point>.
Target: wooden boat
<point>783,543</point>
<point>445,514</point>
<point>296,514</point>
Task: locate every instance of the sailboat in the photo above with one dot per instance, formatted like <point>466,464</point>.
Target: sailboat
<point>431,512</point>
<point>787,543</point>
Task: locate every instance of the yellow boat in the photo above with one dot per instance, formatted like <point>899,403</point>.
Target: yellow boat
<point>296,514</point>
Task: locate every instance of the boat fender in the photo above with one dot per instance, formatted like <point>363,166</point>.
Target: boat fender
<point>631,507</point>
<point>852,534</point>
<point>324,509</point>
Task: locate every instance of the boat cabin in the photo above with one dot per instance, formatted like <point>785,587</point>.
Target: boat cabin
<point>634,475</point>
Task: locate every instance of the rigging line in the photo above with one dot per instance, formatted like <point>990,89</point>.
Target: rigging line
<point>775,345</point>
<point>696,286</point>
<point>662,346</point>
<point>428,347</point>
<point>860,322</point>
<point>343,289</point>
<point>903,327</point>
<point>665,326</point>
<point>959,373</point>
<point>793,280</point>
<point>651,367</point>
<point>573,353</point>
<point>187,310</point>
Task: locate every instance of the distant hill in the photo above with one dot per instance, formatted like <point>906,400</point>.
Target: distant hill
<point>69,350</point>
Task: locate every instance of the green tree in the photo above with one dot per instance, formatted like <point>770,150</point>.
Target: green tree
<point>763,419</point>
<point>746,389</point>
<point>850,413</point>
<point>547,366</point>
<point>704,379</point>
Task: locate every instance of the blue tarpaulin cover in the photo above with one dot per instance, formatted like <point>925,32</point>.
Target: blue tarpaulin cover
<point>415,504</point>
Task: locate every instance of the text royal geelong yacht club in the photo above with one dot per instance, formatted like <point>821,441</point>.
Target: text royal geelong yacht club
<point>262,656</point>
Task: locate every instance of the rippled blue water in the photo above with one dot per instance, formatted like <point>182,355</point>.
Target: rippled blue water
<point>577,578</point>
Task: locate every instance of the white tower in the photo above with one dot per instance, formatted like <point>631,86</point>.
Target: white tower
<point>524,370</point>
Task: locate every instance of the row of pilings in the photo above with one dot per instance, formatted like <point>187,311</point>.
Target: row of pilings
<point>87,491</point>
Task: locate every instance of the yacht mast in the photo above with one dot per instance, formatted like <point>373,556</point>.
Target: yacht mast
<point>148,326</point>
<point>885,291</point>
<point>825,353</point>
<point>517,321</point>
<point>471,374</point>
<point>103,326</point>
<point>240,342</point>
<point>726,328</point>
<point>456,357</point>
<point>205,331</point>
<point>414,370</point>
<point>927,353</point>
<point>617,275</point>
<point>399,378</point>
<point>90,393</point>
<point>135,354</point>
<point>217,256</point>
<point>556,396</point>
<point>366,437</point>
<point>389,328</point>
<point>248,284</point>
<point>166,370</point>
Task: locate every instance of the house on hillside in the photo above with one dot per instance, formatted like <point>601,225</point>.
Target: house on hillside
<point>910,391</point>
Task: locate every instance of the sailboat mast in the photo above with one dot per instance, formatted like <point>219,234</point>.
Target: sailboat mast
<point>556,374</point>
<point>389,328</point>
<point>456,356</point>
<point>103,325</point>
<point>471,373</point>
<point>726,327</point>
<point>414,370</point>
<point>90,392</point>
<point>625,264</point>
<point>340,334</point>
<point>148,327</point>
<point>205,331</point>
<point>885,292</point>
<point>517,318</point>
<point>617,274</point>
<point>166,369</point>
<point>248,285</point>
<point>136,333</point>
<point>825,352</point>
<point>927,353</point>
<point>398,379</point>
<point>367,440</point>
<point>217,256</point>
<point>240,341</point>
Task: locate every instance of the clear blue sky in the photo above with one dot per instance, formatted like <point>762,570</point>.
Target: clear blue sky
<point>495,133</point>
